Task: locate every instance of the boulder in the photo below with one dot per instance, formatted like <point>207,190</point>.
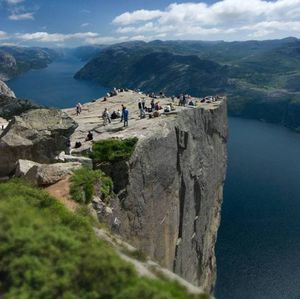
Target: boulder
<point>23,167</point>
<point>5,90</point>
<point>44,174</point>
<point>84,161</point>
<point>37,135</point>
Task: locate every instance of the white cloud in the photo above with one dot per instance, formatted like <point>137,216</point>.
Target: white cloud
<point>55,37</point>
<point>3,35</point>
<point>85,24</point>
<point>14,2</point>
<point>136,16</point>
<point>225,19</point>
<point>21,16</point>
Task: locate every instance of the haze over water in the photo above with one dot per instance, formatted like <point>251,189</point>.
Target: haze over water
<point>258,248</point>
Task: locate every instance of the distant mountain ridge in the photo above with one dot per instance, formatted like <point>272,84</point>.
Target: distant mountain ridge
<point>17,60</point>
<point>261,78</point>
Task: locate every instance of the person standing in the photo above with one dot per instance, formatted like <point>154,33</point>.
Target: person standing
<point>141,108</point>
<point>122,114</point>
<point>106,117</point>
<point>125,116</point>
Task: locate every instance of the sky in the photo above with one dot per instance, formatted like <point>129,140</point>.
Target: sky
<point>70,23</point>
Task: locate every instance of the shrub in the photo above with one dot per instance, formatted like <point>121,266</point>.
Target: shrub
<point>113,150</point>
<point>84,182</point>
<point>48,252</point>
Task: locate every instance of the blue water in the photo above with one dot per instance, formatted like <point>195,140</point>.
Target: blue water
<point>55,86</point>
<point>258,247</point>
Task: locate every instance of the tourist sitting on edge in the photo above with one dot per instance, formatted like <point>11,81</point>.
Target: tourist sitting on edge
<point>157,106</point>
<point>106,117</point>
<point>77,144</point>
<point>89,136</point>
<point>114,115</point>
<point>191,103</point>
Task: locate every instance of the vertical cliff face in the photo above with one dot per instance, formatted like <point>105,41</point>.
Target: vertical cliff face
<point>171,205</point>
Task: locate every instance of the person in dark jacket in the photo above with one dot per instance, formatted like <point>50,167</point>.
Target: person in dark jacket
<point>125,116</point>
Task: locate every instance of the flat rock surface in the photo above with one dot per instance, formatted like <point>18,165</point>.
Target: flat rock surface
<point>90,118</point>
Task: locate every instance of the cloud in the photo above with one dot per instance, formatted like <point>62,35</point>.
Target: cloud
<point>85,24</point>
<point>21,16</point>
<point>14,2</point>
<point>137,16</point>
<point>55,37</point>
<point>225,19</point>
<point>3,35</point>
<point>105,40</point>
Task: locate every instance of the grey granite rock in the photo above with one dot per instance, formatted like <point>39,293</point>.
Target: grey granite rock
<point>5,90</point>
<point>170,208</point>
<point>44,174</point>
<point>38,135</point>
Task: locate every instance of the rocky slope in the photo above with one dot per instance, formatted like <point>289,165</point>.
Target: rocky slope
<point>170,191</point>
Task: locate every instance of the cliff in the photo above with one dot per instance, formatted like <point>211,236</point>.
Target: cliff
<point>169,192</point>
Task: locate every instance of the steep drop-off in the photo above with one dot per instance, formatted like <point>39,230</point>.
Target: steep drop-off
<point>169,193</point>
<point>171,205</point>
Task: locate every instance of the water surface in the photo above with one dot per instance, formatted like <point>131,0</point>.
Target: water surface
<point>258,247</point>
<point>55,86</point>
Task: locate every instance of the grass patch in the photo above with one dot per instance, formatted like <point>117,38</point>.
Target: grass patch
<point>85,181</point>
<point>136,254</point>
<point>48,252</point>
<point>113,150</point>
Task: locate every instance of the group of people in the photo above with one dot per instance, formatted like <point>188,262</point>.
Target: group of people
<point>123,115</point>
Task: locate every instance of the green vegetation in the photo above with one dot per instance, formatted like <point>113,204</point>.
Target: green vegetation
<point>136,254</point>
<point>48,252</point>
<point>84,182</point>
<point>113,150</point>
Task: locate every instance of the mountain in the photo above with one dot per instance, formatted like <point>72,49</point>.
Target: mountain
<point>158,71</point>
<point>261,78</point>
<point>17,60</point>
<point>85,53</point>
